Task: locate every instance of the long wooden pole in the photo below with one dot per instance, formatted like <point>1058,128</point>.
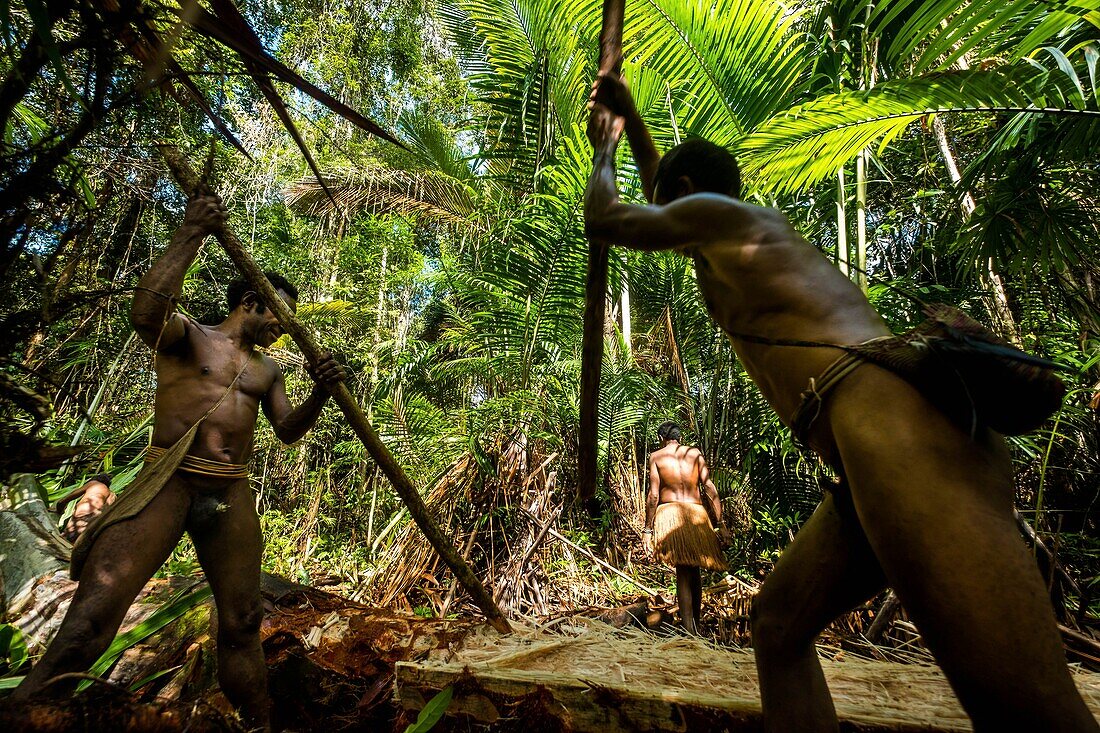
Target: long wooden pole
<point>190,183</point>
<point>595,292</point>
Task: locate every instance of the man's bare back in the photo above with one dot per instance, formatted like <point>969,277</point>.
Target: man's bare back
<point>758,276</point>
<point>678,467</point>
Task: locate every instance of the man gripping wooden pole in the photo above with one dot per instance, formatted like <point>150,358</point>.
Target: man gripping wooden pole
<point>595,293</point>
<point>190,183</point>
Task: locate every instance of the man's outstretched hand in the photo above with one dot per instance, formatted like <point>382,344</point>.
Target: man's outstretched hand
<point>205,212</point>
<point>327,372</point>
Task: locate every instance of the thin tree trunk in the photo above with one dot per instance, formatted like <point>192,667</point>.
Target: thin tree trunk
<point>841,223</point>
<point>378,313</point>
<point>625,312</point>
<point>991,281</point>
<point>861,219</point>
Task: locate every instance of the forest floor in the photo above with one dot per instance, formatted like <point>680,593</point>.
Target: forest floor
<point>336,665</point>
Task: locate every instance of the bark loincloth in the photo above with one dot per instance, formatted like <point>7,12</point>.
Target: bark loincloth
<point>160,465</point>
<point>683,535</point>
<point>961,367</point>
<point>136,497</point>
<point>200,466</point>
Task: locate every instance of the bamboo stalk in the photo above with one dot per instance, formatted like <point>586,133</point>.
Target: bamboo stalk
<point>191,184</point>
<point>595,294</point>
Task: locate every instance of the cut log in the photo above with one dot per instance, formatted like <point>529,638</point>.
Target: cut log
<point>590,677</point>
<point>583,705</point>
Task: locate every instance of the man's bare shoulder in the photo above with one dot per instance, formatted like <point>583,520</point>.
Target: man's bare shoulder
<point>725,221</point>
<point>269,365</point>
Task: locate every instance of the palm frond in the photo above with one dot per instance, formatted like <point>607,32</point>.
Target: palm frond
<point>809,143</point>
<point>936,35</point>
<point>731,63</point>
<point>382,190</point>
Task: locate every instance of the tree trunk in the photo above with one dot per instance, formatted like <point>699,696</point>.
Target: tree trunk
<point>861,220</point>
<point>991,281</point>
<point>625,312</point>
<point>841,223</point>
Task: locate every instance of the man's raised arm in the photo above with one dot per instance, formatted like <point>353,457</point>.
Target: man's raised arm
<point>686,222</point>
<point>153,311</point>
<point>611,91</point>
<point>290,424</point>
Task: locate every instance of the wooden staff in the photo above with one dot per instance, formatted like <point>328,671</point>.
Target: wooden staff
<point>190,183</point>
<point>595,291</point>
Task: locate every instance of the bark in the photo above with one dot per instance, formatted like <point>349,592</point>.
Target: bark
<point>595,297</point>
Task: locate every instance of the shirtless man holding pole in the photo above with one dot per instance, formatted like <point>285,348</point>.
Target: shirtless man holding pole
<point>923,505</point>
<point>680,519</point>
<point>211,385</point>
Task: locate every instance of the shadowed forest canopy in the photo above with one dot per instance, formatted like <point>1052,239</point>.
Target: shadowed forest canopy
<point>938,148</point>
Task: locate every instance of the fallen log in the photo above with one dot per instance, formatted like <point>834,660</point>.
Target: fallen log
<point>190,183</point>
<point>583,676</point>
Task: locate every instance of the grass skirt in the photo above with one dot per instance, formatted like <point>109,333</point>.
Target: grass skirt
<point>684,536</point>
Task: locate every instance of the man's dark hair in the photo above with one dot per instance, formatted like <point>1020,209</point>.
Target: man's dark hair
<point>668,431</point>
<point>103,478</point>
<point>236,290</point>
<point>712,168</point>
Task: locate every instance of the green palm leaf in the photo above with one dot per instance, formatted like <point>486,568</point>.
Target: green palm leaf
<point>382,190</point>
<point>810,142</point>
<point>732,63</point>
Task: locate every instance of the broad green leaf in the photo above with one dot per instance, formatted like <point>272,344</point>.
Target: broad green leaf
<point>13,647</point>
<point>163,616</point>
<point>10,683</point>
<point>1091,57</point>
<point>432,712</point>
<point>1067,68</point>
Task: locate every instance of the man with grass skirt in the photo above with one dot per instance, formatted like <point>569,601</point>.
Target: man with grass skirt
<point>678,524</point>
<point>211,385</point>
<point>925,494</point>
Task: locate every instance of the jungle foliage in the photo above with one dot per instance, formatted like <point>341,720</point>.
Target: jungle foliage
<point>946,148</point>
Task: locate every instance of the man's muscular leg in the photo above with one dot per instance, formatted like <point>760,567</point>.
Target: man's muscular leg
<point>824,572</point>
<point>937,509</point>
<point>229,544</point>
<point>123,558</point>
<point>688,592</point>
